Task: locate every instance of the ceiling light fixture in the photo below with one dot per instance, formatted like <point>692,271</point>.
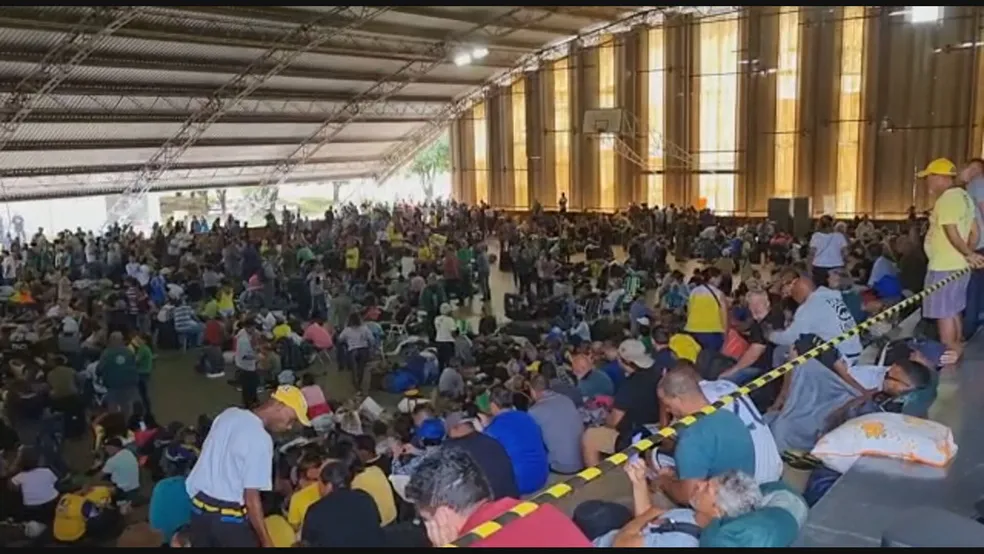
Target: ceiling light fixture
<point>479,52</point>
<point>462,59</point>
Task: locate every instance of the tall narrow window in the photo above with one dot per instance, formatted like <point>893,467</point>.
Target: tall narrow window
<point>849,118</point>
<point>562,128</point>
<point>481,153</point>
<point>718,113</point>
<point>787,97</point>
<point>657,118</point>
<point>606,143</point>
<point>521,190</point>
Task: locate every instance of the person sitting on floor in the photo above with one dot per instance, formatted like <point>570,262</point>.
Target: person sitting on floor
<point>453,496</point>
<point>520,435</point>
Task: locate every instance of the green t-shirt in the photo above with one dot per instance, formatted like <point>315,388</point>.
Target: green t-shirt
<point>118,368</point>
<point>768,527</point>
<point>144,360</point>
<point>715,444</point>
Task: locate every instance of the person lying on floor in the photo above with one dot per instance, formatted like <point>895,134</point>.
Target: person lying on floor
<point>816,393</point>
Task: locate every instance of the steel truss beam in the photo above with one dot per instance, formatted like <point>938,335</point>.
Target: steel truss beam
<point>75,191</point>
<point>66,105</point>
<point>475,18</point>
<point>132,169</point>
<point>182,25</point>
<point>56,66</point>
<point>204,65</point>
<point>400,33</point>
<point>280,54</point>
<point>382,90</point>
<point>401,154</point>
<point>245,142</point>
<point>110,180</point>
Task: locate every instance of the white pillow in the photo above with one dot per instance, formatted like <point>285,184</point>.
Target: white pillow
<point>887,435</point>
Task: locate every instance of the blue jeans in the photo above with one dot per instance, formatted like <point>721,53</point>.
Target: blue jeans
<point>975,302</point>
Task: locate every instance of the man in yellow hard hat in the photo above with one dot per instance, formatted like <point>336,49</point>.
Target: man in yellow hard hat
<point>949,245</point>
<point>236,464</point>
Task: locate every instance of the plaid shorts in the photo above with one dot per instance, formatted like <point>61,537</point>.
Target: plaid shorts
<point>950,300</point>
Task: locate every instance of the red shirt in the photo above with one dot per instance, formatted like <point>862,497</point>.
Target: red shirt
<point>544,528</point>
<point>214,333</point>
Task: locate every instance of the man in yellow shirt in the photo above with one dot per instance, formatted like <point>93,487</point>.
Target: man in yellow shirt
<point>949,246</point>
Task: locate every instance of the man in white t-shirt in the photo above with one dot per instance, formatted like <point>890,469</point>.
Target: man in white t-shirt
<point>236,464</point>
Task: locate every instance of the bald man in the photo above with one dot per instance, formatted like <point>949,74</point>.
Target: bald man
<point>821,312</point>
<point>713,445</point>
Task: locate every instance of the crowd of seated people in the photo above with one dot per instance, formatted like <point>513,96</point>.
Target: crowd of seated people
<point>601,351</point>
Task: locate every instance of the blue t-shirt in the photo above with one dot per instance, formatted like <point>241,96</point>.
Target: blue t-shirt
<point>170,506</point>
<point>522,439</point>
<point>594,383</point>
<point>614,372</point>
<point>715,444</point>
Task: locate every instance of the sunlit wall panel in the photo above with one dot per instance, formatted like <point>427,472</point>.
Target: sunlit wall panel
<point>717,87</point>
<point>562,127</point>
<point>787,98</point>
<point>849,119</point>
<point>606,144</point>
<point>481,153</point>
<point>520,168</point>
<point>656,116</point>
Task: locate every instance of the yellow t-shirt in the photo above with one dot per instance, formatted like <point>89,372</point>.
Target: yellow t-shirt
<point>704,311</point>
<point>211,309</point>
<point>425,254</point>
<point>71,516</point>
<point>685,347</point>
<point>281,331</point>
<point>953,207</point>
<point>374,482</point>
<point>352,258</point>
<point>300,501</point>
<point>282,535</point>
<point>226,303</point>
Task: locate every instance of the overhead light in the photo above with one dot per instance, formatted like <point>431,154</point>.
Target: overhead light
<point>925,14</point>
<point>462,59</point>
<point>479,52</point>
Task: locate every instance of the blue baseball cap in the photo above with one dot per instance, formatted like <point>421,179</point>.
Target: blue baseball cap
<point>431,429</point>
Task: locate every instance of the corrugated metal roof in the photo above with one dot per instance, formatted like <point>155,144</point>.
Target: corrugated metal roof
<point>139,84</point>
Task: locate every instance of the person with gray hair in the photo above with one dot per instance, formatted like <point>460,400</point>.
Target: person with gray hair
<point>730,509</point>
<point>716,443</point>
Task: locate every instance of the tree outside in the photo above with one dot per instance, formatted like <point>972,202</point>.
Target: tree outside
<point>431,162</point>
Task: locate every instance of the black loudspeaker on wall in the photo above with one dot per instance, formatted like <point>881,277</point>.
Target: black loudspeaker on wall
<point>802,214</point>
<point>780,214</point>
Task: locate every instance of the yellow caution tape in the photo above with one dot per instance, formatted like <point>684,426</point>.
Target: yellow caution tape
<point>567,487</point>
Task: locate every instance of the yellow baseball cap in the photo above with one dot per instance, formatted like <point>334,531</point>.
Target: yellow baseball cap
<point>939,166</point>
<point>293,399</point>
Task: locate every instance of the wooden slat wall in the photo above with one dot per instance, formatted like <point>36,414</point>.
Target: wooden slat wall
<point>679,36</point>
<point>539,139</point>
<point>819,80</point>
<point>759,39</point>
<point>920,99</point>
<point>631,94</point>
<point>585,193</point>
<point>920,104</point>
